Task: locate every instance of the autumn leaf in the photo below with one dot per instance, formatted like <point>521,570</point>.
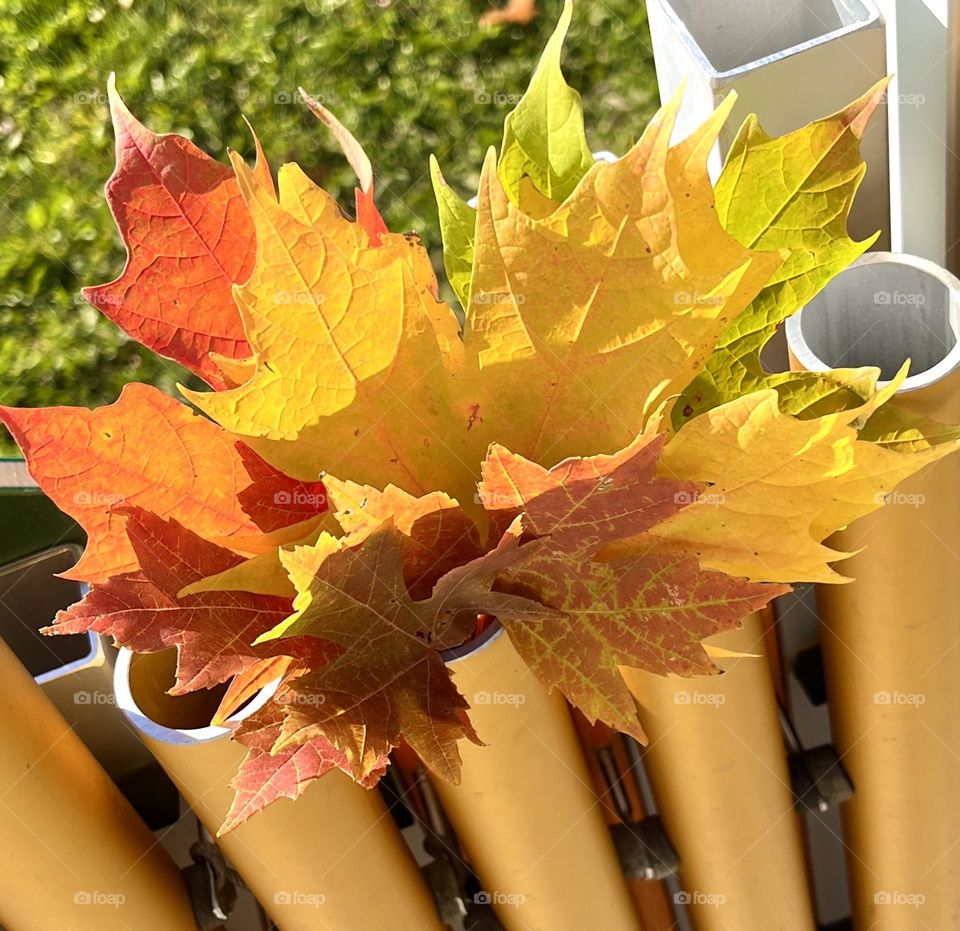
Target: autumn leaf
<point>575,621</point>
<point>389,682</point>
<point>793,192</point>
<point>149,451</point>
<point>354,351</point>
<point>779,485</point>
<point>543,137</point>
<point>213,632</point>
<point>584,503</point>
<point>544,150</point>
<point>458,221</point>
<point>189,238</point>
<point>264,776</point>
<point>274,501</point>
<point>651,610</point>
<point>368,217</point>
<point>321,541</point>
<point>897,430</point>
<point>435,534</point>
<point>234,371</point>
<point>610,303</point>
<point>263,574</point>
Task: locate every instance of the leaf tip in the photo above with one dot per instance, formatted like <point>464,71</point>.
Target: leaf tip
<point>123,119</point>
<point>354,152</point>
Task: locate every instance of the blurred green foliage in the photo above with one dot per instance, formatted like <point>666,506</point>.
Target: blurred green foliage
<point>409,78</point>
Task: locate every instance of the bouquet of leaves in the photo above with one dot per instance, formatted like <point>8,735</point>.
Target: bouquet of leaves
<point>591,452</point>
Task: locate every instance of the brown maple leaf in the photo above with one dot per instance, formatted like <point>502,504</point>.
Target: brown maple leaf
<point>389,681</point>
<point>651,611</point>
<point>213,631</point>
<point>264,776</point>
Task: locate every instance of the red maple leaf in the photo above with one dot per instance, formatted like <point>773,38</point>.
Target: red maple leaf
<point>189,239</point>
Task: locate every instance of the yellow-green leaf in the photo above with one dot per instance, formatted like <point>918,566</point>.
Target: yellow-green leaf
<point>543,137</point>
<point>544,153</point>
<point>458,222</point>
<point>777,486</point>
<point>608,305</point>
<point>793,193</point>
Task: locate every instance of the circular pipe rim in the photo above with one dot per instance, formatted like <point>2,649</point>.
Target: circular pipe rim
<point>474,645</point>
<point>811,362</point>
<point>149,728</point>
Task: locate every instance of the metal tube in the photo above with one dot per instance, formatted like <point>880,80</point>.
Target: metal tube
<point>526,811</point>
<point>891,638</point>
<point>718,767</point>
<point>73,853</point>
<point>333,859</point>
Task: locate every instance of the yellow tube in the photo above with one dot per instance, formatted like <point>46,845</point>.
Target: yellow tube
<point>718,768</point>
<point>891,638</point>
<point>333,860</point>
<point>525,811</point>
<point>73,853</point>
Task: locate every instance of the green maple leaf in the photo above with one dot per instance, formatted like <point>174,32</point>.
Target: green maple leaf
<point>791,193</point>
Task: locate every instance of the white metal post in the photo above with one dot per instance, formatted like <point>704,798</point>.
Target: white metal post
<point>918,102</point>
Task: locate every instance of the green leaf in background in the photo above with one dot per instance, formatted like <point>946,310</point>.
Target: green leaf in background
<point>767,195</point>
<point>544,136</point>
<point>544,144</point>
<point>458,222</point>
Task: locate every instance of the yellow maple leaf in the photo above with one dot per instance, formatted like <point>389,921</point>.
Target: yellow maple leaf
<point>779,485</point>
<point>608,303</point>
<point>355,354</point>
